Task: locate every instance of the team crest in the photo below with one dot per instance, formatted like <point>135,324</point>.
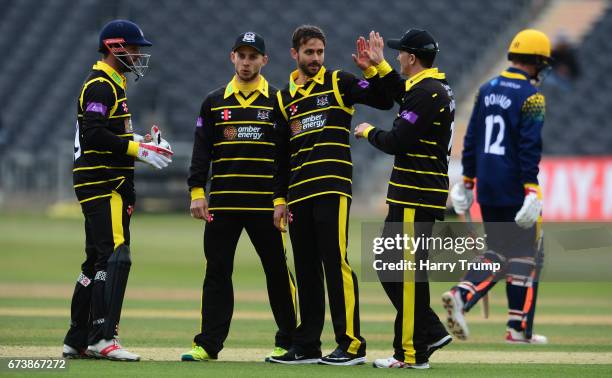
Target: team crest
<point>249,37</point>
<point>263,115</point>
<point>293,109</point>
<point>322,100</point>
<point>296,126</point>
<point>230,133</point>
<point>226,114</point>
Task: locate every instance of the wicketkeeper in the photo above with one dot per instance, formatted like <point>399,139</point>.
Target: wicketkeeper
<point>105,148</point>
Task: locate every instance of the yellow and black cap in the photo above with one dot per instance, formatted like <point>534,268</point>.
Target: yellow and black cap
<point>251,39</point>
<point>415,41</point>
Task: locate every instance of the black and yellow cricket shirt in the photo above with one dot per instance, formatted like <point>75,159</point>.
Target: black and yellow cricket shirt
<point>420,139</point>
<point>234,136</point>
<point>313,127</point>
<point>102,148</point>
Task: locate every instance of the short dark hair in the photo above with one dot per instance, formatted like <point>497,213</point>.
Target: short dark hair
<point>524,58</point>
<point>426,58</point>
<point>305,33</point>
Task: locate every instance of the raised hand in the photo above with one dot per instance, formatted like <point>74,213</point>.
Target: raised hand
<point>376,46</point>
<point>361,57</point>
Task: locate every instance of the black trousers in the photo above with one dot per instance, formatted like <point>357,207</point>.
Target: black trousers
<point>416,324</point>
<point>107,226</point>
<point>319,237</point>
<point>220,240</point>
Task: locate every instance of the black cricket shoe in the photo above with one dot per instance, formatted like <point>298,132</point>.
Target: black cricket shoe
<point>295,356</point>
<point>341,358</point>
<point>441,343</point>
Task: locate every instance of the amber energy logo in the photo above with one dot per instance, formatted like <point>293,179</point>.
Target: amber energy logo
<point>296,126</point>
<point>243,132</point>
<point>313,121</point>
<point>230,132</point>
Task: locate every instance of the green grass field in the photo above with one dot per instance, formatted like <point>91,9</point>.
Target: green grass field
<point>41,258</point>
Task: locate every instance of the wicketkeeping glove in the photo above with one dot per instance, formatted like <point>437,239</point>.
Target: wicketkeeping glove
<point>157,138</point>
<point>154,155</point>
<point>462,196</point>
<point>532,208</point>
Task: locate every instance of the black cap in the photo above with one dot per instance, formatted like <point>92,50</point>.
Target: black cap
<point>250,39</point>
<point>415,40</point>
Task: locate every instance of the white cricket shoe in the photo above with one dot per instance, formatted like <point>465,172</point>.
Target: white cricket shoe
<point>111,350</point>
<point>73,353</point>
<point>455,321</point>
<point>392,363</point>
<point>518,337</point>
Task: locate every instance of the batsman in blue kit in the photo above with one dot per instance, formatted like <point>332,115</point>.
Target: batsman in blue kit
<point>501,154</point>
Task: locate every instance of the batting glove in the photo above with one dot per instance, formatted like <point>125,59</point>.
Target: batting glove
<point>462,196</point>
<point>532,208</point>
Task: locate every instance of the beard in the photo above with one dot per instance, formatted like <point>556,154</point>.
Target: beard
<point>247,78</point>
<point>125,67</point>
<point>309,70</point>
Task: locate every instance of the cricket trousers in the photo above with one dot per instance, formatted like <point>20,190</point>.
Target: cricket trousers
<point>220,240</point>
<point>416,324</point>
<point>319,237</point>
<point>107,222</point>
<point>520,254</point>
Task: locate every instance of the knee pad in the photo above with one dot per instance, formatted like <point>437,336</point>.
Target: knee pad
<point>476,283</point>
<point>521,271</point>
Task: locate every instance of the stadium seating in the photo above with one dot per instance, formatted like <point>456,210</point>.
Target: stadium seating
<point>49,58</point>
<point>577,119</point>
<point>50,46</point>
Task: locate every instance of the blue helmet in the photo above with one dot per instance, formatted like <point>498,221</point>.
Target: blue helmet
<point>114,38</point>
<point>124,29</point>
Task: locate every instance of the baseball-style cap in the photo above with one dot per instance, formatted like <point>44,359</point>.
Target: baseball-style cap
<point>250,39</point>
<point>415,40</point>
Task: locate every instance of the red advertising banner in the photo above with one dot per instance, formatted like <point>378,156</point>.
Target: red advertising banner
<point>574,189</point>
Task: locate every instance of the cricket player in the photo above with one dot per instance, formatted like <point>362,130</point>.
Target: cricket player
<point>313,178</point>
<point>104,152</point>
<point>501,154</point>
<point>234,134</point>
<point>420,140</point>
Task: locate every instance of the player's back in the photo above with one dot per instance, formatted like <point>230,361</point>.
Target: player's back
<point>502,145</point>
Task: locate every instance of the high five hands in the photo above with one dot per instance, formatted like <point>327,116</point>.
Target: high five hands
<point>369,52</point>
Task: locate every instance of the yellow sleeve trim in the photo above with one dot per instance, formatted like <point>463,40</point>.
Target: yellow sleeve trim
<point>132,149</point>
<point>370,72</point>
<point>279,201</point>
<point>383,68</point>
<point>367,131</point>
<point>197,193</point>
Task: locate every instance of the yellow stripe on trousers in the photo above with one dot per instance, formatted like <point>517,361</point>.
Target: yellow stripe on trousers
<point>116,207</point>
<point>408,294</point>
<point>291,283</point>
<point>347,277</point>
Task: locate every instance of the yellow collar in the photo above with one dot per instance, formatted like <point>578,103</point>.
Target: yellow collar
<point>234,87</point>
<point>428,73</point>
<point>513,75</point>
<point>319,78</point>
<point>118,78</point>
